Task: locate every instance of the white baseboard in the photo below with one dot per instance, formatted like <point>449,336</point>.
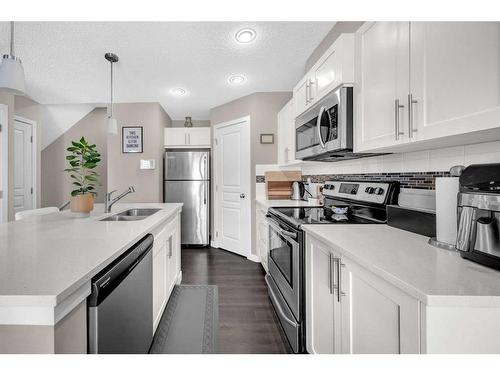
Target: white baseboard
<point>254,258</point>
<point>212,243</point>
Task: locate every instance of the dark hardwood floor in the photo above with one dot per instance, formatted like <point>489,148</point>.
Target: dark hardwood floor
<point>247,321</point>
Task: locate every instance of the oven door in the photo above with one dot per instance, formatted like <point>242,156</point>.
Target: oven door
<point>284,263</point>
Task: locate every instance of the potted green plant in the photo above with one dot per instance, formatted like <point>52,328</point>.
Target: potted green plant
<point>83,158</point>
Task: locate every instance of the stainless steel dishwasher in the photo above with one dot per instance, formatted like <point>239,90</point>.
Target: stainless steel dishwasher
<point>120,308</point>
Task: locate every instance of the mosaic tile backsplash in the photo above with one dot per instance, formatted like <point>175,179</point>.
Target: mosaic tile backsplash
<point>407,180</point>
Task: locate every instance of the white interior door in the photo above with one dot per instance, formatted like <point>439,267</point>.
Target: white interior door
<point>23,166</point>
<point>232,186</point>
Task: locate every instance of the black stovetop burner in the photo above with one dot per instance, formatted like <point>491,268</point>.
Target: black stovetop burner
<point>297,216</point>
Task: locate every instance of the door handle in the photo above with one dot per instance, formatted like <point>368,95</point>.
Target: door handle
<point>397,107</point>
<point>411,102</point>
<point>242,195</point>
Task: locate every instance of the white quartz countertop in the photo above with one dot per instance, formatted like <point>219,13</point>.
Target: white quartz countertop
<point>45,259</point>
<point>434,276</point>
<point>283,203</point>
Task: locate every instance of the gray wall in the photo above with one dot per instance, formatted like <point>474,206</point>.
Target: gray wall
<point>56,184</point>
<point>333,34</point>
<point>117,170</point>
<point>263,108</point>
<point>123,169</point>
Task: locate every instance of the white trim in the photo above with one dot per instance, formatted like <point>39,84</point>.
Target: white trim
<point>245,119</point>
<point>4,168</point>
<point>254,258</point>
<point>43,315</point>
<point>34,155</point>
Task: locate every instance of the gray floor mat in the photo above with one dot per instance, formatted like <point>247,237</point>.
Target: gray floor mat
<point>190,322</point>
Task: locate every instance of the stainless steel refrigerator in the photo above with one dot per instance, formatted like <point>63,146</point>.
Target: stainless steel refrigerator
<point>187,180</point>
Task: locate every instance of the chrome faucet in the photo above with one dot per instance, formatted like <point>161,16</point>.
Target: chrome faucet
<point>108,202</point>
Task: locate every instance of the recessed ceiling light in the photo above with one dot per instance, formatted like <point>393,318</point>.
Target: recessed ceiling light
<point>237,79</point>
<point>178,91</point>
<point>245,35</point>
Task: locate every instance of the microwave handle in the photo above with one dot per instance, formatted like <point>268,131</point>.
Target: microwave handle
<point>318,125</point>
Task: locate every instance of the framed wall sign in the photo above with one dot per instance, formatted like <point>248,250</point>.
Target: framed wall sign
<point>267,139</point>
<point>132,139</point>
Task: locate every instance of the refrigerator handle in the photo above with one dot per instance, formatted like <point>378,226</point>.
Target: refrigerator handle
<point>205,193</point>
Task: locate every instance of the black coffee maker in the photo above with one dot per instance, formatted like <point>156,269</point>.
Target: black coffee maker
<point>478,237</point>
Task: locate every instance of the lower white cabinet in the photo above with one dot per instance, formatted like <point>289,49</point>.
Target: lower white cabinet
<point>166,265</point>
<point>262,235</point>
<point>352,311</point>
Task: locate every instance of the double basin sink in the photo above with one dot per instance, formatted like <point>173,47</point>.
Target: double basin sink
<point>133,214</point>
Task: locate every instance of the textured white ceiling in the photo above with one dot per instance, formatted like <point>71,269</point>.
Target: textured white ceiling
<point>64,61</point>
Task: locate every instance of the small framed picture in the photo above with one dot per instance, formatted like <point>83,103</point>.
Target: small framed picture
<point>267,139</point>
<point>132,139</point>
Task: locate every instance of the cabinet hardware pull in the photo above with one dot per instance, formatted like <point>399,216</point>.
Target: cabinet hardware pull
<point>397,107</point>
<point>170,247</point>
<point>340,294</point>
<point>330,273</point>
<point>411,101</point>
<point>307,92</point>
<point>311,98</point>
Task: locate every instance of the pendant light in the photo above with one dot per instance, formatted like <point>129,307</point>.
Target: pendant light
<point>11,70</point>
<point>112,123</point>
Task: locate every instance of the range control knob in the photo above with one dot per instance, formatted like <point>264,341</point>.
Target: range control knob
<point>379,191</point>
<point>369,190</point>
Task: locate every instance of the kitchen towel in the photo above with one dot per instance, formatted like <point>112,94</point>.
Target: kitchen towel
<point>446,209</point>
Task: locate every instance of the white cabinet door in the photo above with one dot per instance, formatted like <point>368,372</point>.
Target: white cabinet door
<point>322,308</point>
<point>301,95</point>
<point>286,134</point>
<point>160,279</point>
<point>173,253</point>
<point>382,79</point>
<point>335,67</point>
<point>175,137</point>
<point>376,316</point>
<point>199,137</point>
<point>455,75</point>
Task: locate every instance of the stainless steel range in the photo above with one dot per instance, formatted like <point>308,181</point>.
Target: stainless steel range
<point>346,202</point>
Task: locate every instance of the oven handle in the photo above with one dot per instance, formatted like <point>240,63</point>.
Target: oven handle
<point>277,305</point>
<point>283,232</point>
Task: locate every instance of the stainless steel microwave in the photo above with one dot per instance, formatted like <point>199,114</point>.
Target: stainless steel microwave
<point>324,132</point>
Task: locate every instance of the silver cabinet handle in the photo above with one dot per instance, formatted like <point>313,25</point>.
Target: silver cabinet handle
<point>331,274</point>
<point>307,92</point>
<point>397,107</point>
<point>411,102</point>
<point>170,247</point>
<point>311,98</point>
<point>340,294</point>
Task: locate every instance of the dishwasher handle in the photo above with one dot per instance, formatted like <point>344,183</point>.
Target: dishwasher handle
<point>111,276</point>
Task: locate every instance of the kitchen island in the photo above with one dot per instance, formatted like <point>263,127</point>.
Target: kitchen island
<point>47,262</point>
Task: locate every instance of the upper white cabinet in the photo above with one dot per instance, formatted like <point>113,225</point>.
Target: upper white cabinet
<point>420,84</point>
<point>454,77</point>
<point>187,137</point>
<point>335,67</point>
<point>382,84</point>
<point>286,134</point>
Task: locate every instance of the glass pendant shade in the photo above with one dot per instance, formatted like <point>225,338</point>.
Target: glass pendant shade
<point>12,78</point>
<point>112,126</point>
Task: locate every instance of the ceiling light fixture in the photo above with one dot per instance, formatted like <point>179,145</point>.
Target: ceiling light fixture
<point>11,70</point>
<point>178,91</point>
<point>112,123</point>
<point>246,35</point>
<point>237,79</point>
